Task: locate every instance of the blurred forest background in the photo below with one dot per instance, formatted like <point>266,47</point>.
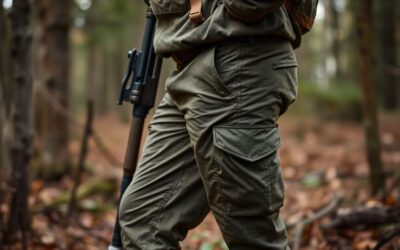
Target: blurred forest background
<point>62,136</point>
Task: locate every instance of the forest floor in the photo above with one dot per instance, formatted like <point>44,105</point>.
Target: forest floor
<point>321,161</point>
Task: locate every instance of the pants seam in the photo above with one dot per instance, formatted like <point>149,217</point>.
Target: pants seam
<point>239,95</point>
<point>157,219</point>
<point>217,177</point>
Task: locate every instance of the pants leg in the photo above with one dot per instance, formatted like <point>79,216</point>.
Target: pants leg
<point>166,197</point>
<point>231,97</point>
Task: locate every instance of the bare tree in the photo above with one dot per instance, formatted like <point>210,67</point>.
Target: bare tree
<point>373,144</point>
<point>5,64</point>
<point>54,20</point>
<point>387,56</point>
<point>332,25</point>
<point>2,34</point>
<point>2,51</point>
<point>5,84</point>
<point>19,220</point>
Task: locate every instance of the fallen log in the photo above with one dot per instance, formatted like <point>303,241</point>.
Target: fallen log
<point>364,217</point>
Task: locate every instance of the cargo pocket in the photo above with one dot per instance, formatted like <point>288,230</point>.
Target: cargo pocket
<point>249,177</point>
<point>169,7</point>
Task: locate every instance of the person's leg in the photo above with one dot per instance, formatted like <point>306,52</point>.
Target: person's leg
<point>166,197</point>
<point>231,97</point>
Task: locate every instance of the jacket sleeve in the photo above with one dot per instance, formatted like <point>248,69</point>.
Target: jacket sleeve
<point>251,10</point>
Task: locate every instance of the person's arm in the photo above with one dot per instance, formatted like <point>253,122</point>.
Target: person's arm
<point>251,10</point>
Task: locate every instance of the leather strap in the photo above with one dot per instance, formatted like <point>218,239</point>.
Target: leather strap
<point>195,15</point>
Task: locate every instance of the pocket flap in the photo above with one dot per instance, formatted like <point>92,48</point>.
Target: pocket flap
<point>250,143</point>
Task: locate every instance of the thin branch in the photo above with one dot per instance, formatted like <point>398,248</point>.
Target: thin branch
<point>59,108</point>
<point>387,237</point>
<point>395,184</point>
<point>299,228</point>
<point>82,159</point>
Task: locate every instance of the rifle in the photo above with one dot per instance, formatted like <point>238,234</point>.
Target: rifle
<point>143,72</point>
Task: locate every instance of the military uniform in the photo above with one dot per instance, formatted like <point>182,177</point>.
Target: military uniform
<point>213,141</point>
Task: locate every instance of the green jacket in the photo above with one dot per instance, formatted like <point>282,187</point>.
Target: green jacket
<point>224,19</point>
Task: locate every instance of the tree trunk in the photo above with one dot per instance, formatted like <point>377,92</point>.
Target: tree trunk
<point>54,17</point>
<point>5,63</point>
<point>19,220</point>
<point>387,48</point>
<point>332,22</point>
<point>2,51</point>
<point>5,100</point>
<point>373,145</point>
<point>103,101</point>
<point>92,76</point>
<point>2,63</point>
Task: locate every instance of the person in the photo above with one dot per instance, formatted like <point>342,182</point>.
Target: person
<point>213,141</point>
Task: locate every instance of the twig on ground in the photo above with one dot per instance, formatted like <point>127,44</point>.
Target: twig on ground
<point>395,183</point>
<point>299,228</point>
<point>387,237</point>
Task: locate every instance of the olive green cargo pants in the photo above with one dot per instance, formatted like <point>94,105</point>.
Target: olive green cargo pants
<point>213,144</point>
